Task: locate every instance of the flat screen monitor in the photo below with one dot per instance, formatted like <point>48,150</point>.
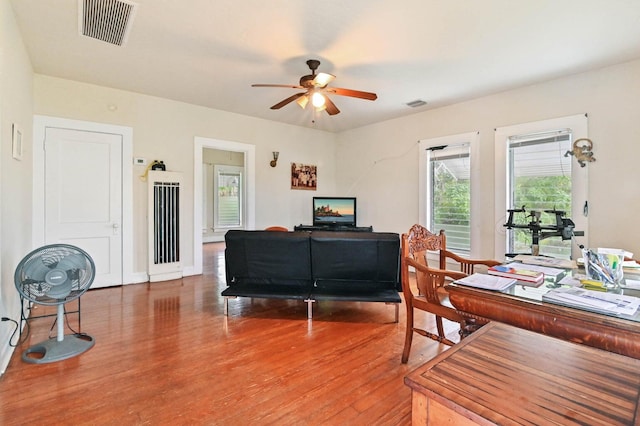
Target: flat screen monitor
<point>334,211</point>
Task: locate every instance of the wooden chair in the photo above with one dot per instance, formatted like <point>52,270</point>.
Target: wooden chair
<point>277,228</point>
<point>420,240</point>
<point>468,266</point>
<point>431,297</point>
<point>415,245</point>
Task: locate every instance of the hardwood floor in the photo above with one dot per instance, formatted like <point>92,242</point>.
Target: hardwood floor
<point>165,353</point>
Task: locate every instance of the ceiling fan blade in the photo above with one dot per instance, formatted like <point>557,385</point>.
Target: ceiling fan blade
<point>322,79</point>
<point>332,109</point>
<point>288,100</point>
<point>290,86</point>
<point>353,93</point>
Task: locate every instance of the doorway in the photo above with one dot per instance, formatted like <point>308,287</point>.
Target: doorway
<point>82,192</point>
<point>223,193</point>
<point>248,151</point>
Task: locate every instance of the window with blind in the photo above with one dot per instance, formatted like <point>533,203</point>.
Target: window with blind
<point>227,197</point>
<point>533,170</point>
<point>539,179</point>
<point>449,202</point>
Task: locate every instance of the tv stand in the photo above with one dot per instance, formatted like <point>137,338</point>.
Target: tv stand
<point>336,228</point>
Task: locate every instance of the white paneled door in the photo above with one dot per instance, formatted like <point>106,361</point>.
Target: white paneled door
<point>83,197</point>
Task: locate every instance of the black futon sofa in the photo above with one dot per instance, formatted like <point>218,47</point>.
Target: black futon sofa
<point>312,266</point>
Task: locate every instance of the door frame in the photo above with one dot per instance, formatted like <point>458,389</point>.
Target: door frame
<point>40,125</point>
<point>249,152</point>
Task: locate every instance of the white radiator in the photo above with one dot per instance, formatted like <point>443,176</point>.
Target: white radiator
<point>164,225</point>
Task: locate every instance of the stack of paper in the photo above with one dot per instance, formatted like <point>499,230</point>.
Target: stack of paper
<point>548,272</point>
<point>487,282</point>
<point>593,300</point>
<point>546,261</point>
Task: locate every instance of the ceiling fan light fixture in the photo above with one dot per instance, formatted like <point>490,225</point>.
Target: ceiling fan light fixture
<point>303,101</point>
<point>318,100</point>
<point>315,87</point>
<point>322,79</point>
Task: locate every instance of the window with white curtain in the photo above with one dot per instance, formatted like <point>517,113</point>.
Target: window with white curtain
<point>534,172</point>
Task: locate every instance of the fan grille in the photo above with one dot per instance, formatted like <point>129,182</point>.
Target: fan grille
<point>30,274</point>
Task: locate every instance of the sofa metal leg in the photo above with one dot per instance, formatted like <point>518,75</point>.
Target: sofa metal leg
<point>226,304</point>
<point>310,308</point>
<point>397,308</point>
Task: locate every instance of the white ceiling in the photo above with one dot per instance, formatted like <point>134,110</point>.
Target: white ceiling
<point>209,52</point>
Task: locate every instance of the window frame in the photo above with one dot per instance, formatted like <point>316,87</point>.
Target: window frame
<point>578,124</point>
<point>424,188</point>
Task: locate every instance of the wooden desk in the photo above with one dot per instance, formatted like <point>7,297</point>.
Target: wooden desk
<point>610,333</point>
<point>505,375</point>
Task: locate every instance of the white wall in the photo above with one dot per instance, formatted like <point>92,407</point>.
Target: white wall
<point>16,106</point>
<point>379,163</point>
<point>165,130</point>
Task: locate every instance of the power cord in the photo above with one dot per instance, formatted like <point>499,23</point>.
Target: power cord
<point>160,164</point>
<point>14,331</point>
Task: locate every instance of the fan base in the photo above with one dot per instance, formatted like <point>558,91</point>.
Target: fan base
<point>51,350</point>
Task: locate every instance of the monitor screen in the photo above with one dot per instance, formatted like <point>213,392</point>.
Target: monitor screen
<point>339,211</point>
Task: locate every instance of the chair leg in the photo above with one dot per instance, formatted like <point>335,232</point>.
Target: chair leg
<point>408,338</point>
<point>440,327</point>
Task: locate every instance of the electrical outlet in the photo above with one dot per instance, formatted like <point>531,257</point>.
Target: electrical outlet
<point>140,161</point>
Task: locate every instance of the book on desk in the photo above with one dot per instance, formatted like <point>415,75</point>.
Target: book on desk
<point>519,272</point>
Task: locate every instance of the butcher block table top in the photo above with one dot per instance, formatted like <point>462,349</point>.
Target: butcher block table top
<point>506,375</point>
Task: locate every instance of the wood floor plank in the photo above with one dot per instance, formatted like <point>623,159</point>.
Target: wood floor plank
<point>165,353</point>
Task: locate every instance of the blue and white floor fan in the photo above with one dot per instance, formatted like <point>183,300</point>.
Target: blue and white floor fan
<point>54,275</point>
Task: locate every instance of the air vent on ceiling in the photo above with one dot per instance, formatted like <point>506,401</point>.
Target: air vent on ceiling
<point>106,20</point>
<point>417,103</point>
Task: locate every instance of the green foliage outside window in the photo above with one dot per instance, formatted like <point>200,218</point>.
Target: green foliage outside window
<point>451,196</point>
<point>451,206</point>
<point>540,193</point>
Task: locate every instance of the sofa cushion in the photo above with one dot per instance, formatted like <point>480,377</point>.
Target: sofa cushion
<point>355,266</point>
<point>356,291</point>
<point>267,264</point>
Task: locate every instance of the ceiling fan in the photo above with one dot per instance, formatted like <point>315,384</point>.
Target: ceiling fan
<point>316,90</point>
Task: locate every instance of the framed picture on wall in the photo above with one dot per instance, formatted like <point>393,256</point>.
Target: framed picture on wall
<point>17,142</point>
<point>304,176</point>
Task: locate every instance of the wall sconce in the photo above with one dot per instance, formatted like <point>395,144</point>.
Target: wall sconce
<point>274,162</point>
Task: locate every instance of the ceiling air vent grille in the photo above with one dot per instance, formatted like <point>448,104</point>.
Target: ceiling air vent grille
<point>417,103</point>
<point>107,20</point>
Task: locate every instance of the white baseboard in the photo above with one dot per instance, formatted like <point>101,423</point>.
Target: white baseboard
<point>6,350</point>
<point>137,278</point>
